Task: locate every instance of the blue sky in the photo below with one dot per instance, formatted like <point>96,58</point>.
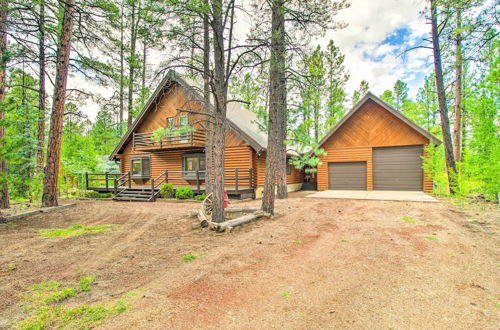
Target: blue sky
<point>378,32</point>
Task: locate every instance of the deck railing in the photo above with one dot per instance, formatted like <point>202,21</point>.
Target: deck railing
<point>145,141</point>
<point>236,180</point>
<point>104,180</point>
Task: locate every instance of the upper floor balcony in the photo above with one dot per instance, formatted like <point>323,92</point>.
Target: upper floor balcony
<point>153,141</point>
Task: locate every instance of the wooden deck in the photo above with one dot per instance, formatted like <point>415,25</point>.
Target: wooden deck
<point>241,184</point>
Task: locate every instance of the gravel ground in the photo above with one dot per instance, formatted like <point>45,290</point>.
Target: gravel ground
<point>317,264</point>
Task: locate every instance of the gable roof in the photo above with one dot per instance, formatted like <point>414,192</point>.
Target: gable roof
<point>384,105</point>
<point>243,122</point>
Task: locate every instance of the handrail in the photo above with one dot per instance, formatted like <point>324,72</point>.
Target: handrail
<point>144,140</point>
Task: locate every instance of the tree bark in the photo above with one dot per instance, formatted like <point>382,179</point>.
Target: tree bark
<point>122,72</point>
<point>282,191</point>
<point>443,109</point>
<point>206,98</point>
<point>220,95</point>
<point>132,60</point>
<point>457,125</point>
<point>4,184</point>
<point>50,185</point>
<point>274,162</point>
<point>42,92</point>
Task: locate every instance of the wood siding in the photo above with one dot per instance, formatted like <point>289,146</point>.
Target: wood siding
<point>238,153</point>
<point>295,175</point>
<point>371,126</point>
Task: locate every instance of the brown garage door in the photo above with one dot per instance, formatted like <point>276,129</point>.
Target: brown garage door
<point>347,176</point>
<point>397,168</point>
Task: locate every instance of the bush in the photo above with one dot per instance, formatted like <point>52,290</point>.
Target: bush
<point>96,194</point>
<point>167,190</point>
<point>184,193</point>
<point>91,194</point>
<point>200,197</point>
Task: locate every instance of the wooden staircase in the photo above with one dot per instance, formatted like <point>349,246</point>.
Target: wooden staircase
<point>136,195</point>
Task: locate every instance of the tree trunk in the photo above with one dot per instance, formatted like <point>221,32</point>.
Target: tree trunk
<point>457,125</point>
<point>206,98</point>
<point>143,82</point>
<point>280,47</point>
<point>133,42</point>
<point>220,95</point>
<point>275,136</point>
<point>41,85</point>
<point>443,109</point>
<point>122,72</point>
<point>4,184</point>
<point>50,183</point>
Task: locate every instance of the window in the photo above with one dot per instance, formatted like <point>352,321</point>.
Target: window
<point>171,127</point>
<point>288,167</point>
<point>193,162</point>
<point>140,167</point>
<point>183,122</point>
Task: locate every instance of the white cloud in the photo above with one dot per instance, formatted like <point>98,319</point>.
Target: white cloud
<point>367,57</point>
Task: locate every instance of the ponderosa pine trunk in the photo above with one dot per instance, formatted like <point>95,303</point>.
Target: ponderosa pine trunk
<point>206,98</point>
<point>220,96</point>
<point>132,64</point>
<point>282,189</point>
<point>122,72</point>
<point>50,184</point>
<point>40,158</point>
<point>276,97</point>
<point>4,184</point>
<point>441,93</point>
<point>457,125</point>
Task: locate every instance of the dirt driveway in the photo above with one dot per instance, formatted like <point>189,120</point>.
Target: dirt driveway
<point>320,263</point>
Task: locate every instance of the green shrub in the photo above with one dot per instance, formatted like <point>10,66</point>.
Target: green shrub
<point>96,194</point>
<point>200,197</point>
<point>184,193</point>
<point>167,190</point>
<point>91,194</point>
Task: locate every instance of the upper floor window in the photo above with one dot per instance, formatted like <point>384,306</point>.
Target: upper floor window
<point>170,122</point>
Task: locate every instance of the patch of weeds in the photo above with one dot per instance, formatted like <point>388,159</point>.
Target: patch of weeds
<point>11,267</point>
<point>85,283</point>
<point>191,256</point>
<point>48,312</point>
<point>297,241</point>
<point>431,238</point>
<point>409,220</point>
<point>497,304</point>
<point>75,230</point>
<point>344,240</point>
<point>285,294</point>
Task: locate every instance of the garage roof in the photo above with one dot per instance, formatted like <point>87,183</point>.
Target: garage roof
<point>384,105</point>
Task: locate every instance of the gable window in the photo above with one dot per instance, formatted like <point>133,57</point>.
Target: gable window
<point>171,127</point>
<point>140,167</point>
<point>192,163</point>
<point>183,122</point>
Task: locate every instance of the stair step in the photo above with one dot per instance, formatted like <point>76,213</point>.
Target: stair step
<point>131,199</point>
<point>134,196</point>
<point>135,193</point>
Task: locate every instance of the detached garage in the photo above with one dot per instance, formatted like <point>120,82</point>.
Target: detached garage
<point>374,147</point>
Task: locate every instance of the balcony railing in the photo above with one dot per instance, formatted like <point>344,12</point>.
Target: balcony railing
<point>145,141</point>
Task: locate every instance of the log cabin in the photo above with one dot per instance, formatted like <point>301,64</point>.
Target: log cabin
<point>150,157</point>
<point>375,147</point>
